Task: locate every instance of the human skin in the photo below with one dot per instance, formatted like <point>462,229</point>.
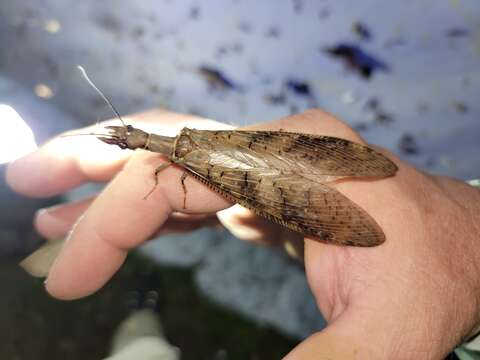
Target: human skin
<point>414,297</point>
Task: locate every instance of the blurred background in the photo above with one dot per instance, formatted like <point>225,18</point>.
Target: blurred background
<point>404,74</point>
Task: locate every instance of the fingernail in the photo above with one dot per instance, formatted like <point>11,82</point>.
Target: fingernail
<point>232,218</point>
<point>40,262</point>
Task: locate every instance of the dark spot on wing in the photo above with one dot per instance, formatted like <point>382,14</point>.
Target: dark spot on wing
<point>249,186</point>
<point>261,137</point>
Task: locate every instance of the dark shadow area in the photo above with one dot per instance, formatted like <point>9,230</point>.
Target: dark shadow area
<point>35,326</point>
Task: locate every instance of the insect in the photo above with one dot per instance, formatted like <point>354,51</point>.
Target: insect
<point>282,176</point>
<point>285,177</point>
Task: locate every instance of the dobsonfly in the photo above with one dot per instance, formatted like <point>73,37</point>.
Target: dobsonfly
<point>282,176</point>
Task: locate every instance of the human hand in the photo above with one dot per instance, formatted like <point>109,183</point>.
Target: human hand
<point>414,297</point>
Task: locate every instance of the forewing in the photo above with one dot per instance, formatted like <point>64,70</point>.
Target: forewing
<point>308,207</point>
<point>320,158</point>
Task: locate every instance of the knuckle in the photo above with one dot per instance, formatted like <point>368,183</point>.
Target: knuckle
<point>315,113</point>
<point>333,122</point>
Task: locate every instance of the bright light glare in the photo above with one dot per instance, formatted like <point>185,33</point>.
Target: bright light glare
<point>53,26</point>
<point>16,137</point>
<point>43,91</point>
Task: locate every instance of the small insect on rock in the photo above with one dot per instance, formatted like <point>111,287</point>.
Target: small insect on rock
<point>281,176</point>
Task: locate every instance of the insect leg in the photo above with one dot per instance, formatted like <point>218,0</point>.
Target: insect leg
<point>182,180</point>
<point>157,170</point>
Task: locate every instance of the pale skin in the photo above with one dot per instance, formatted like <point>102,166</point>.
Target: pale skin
<point>414,297</point>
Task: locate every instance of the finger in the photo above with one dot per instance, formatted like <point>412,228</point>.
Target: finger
<point>61,218</point>
<point>56,221</point>
<point>179,223</point>
<point>248,226</point>
<point>120,219</point>
<point>66,162</point>
<point>245,225</point>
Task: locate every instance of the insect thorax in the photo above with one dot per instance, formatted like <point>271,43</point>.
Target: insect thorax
<point>183,145</point>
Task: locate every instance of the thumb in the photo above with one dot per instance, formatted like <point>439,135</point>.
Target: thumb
<point>358,308</point>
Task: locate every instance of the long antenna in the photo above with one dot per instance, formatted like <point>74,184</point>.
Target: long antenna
<point>84,134</point>
<point>84,73</point>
